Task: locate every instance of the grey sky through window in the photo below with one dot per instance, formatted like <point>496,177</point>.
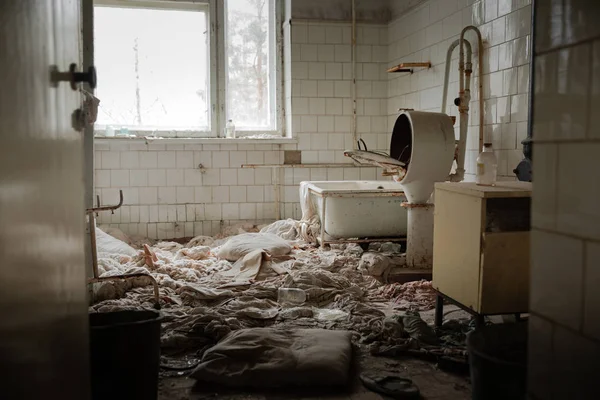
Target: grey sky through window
<point>153,68</point>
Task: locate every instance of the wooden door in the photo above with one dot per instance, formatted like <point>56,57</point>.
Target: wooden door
<point>43,308</point>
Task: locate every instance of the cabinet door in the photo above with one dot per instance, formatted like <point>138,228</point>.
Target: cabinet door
<point>504,273</point>
<point>456,246</point>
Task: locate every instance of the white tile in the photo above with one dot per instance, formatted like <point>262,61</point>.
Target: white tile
<point>255,157</point>
<point>228,176</point>
<point>325,89</point>
<point>299,70</point>
<point>110,160</point>
<point>310,157</point>
<point>220,194</point>
<point>342,53</point>
<point>325,53</point>
<point>134,214</point>
<point>308,88</point>
<point>167,195</point>
<point>342,89</point>
<point>255,194</point>
<point>335,141</point>
<point>102,178</point>
<point>185,159</point>
<point>519,107</point>
<point>316,34</point>
<point>299,33</point>
<point>157,177</point>
<point>237,194</point>
<point>175,177</point>
<point>220,159</point>
<point>510,79</point>
<point>144,214</point>
<point>130,159</point>
<point>231,211</point>
<point>309,123</point>
<point>333,34</point>
<point>316,70</point>
<point>171,213</point>
<point>326,156</point>
<point>192,177</point>
<point>300,105</point>
<point>182,211</point>
<point>498,31</point>
<point>212,212</point>
<point>318,141</point>
<point>148,159</point>
<point>167,159</point>
<point>556,278</point>
<point>503,110</point>
<point>203,194</point>
<point>316,106</point>
<point>138,177</point>
<point>246,176</point>
<point>119,177</point>
<point>578,189</point>
<point>185,195</point>
<point>204,158</point>
<point>148,195</point>
<point>325,124</point>
<point>262,176</point>
<point>237,158</point>
<point>308,52</point>
<point>343,124</point>
<point>273,157</point>
<point>333,71</point>
<point>248,211</point>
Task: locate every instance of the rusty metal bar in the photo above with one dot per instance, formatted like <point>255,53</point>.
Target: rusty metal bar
<point>107,208</point>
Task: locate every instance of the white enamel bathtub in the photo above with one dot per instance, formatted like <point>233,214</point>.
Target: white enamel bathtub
<point>357,209</point>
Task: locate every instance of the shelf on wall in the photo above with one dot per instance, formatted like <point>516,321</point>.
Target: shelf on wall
<point>408,67</point>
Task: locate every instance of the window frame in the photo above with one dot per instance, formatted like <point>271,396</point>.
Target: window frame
<point>216,21</point>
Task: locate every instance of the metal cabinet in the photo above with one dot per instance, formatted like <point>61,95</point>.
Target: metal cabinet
<point>481,245</point>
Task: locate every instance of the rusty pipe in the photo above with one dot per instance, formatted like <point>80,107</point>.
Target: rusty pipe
<point>107,208</point>
<point>480,70</point>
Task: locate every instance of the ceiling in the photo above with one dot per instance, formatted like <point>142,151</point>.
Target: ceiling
<point>380,11</point>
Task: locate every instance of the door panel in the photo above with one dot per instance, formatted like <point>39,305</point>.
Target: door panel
<point>43,311</point>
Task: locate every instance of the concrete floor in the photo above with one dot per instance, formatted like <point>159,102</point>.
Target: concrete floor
<point>433,383</point>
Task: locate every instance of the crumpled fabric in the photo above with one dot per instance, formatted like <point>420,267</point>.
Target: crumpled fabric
<point>202,299</point>
<point>309,224</point>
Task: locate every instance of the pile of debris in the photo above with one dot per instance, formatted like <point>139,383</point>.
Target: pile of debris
<point>210,287</point>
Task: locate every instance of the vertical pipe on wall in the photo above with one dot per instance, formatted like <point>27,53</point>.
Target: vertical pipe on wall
<point>354,107</point>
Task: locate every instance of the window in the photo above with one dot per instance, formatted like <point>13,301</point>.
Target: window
<point>183,69</point>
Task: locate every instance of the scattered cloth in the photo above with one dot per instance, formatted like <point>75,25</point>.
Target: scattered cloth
<point>106,243</point>
<point>272,358</point>
<point>238,246</point>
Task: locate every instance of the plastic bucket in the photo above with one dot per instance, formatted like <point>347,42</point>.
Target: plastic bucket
<point>125,355</point>
<point>498,361</point>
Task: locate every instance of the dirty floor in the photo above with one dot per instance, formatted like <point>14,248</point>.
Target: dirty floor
<point>433,383</point>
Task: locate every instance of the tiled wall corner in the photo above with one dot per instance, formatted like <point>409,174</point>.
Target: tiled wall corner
<point>425,33</point>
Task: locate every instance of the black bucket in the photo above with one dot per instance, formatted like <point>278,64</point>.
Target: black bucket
<point>498,361</point>
<point>125,355</point>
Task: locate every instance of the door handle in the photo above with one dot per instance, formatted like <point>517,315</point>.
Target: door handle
<point>73,77</point>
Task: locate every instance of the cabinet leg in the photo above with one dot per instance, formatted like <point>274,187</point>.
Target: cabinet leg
<point>439,311</point>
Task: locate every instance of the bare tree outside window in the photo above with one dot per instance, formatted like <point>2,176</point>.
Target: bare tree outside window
<point>249,64</point>
<point>153,68</point>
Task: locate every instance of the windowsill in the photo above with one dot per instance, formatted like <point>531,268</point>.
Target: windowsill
<point>195,140</point>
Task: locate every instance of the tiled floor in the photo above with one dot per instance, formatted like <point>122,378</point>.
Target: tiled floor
<point>433,383</point>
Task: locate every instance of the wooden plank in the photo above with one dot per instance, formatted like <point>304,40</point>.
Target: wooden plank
<point>505,270</point>
<point>502,189</point>
<point>456,246</point>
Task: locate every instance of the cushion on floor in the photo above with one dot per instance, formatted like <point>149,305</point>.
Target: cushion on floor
<point>271,358</point>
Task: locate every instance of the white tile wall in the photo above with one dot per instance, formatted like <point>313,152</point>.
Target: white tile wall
<point>425,33</point>
<point>160,180</point>
<point>565,339</point>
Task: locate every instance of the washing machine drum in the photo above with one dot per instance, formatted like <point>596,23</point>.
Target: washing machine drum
<point>422,149</point>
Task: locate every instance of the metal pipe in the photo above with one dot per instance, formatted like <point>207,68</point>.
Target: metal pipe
<point>92,221</point>
<point>354,94</point>
<point>480,68</point>
<point>447,71</point>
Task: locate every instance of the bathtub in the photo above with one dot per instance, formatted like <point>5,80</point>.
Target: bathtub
<point>357,209</point>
